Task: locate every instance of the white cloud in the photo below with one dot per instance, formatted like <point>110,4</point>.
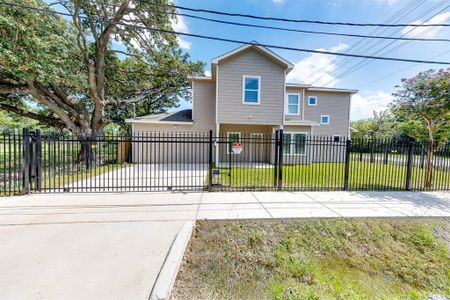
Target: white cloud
<point>365,103</point>
<point>388,2</point>
<point>207,73</point>
<point>180,25</point>
<point>429,32</point>
<point>316,68</point>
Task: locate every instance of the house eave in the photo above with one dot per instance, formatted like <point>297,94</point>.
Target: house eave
<point>134,121</point>
<point>301,123</point>
<point>335,90</point>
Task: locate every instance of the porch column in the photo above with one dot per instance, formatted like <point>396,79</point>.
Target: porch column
<point>217,144</point>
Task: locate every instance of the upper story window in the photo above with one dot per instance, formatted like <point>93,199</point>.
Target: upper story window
<point>324,119</point>
<point>251,89</point>
<point>293,104</point>
<point>312,101</point>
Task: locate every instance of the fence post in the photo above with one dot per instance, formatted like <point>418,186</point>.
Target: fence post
<point>26,162</point>
<point>275,158</point>
<point>347,164</point>
<point>386,154</point>
<point>38,159</point>
<point>280,160</point>
<point>409,167</point>
<point>210,160</point>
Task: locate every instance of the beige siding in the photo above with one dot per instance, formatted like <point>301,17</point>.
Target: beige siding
<point>230,106</point>
<point>336,105</point>
<point>204,105</point>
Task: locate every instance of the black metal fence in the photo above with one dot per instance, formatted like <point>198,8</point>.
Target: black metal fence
<point>155,161</point>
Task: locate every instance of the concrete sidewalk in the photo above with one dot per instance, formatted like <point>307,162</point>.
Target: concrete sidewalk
<point>113,246</point>
<point>150,207</point>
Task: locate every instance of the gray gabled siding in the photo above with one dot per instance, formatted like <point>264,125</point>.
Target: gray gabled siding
<point>230,107</point>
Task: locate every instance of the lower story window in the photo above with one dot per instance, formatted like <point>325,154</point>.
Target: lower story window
<point>337,138</point>
<point>294,143</point>
<point>233,137</point>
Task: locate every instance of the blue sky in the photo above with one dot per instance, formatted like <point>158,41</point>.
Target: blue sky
<point>324,69</point>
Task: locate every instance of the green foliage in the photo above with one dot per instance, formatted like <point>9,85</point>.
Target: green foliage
<point>316,259</point>
<point>35,45</point>
<point>381,126</point>
<point>422,105</point>
<point>55,54</point>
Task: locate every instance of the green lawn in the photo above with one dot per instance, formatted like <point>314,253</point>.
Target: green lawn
<point>363,175</point>
<point>58,181</point>
<point>317,259</point>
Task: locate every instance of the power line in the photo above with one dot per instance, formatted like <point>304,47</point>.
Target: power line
<point>396,17</point>
<point>292,29</point>
<point>285,19</point>
<point>360,64</point>
<point>306,31</point>
<point>238,41</point>
<point>399,71</point>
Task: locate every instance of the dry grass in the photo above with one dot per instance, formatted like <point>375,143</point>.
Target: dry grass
<point>317,259</point>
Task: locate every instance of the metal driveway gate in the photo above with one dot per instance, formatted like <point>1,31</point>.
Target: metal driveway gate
<point>156,161</point>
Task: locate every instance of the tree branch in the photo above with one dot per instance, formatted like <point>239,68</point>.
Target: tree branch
<point>48,120</point>
<point>7,88</point>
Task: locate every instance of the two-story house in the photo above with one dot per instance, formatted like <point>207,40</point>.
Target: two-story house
<point>247,93</point>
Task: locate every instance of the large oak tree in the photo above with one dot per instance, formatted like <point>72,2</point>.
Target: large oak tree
<point>95,66</point>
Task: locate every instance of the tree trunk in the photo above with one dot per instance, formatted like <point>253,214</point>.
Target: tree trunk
<point>430,153</point>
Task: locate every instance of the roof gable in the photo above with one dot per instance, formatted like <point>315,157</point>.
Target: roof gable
<point>254,45</point>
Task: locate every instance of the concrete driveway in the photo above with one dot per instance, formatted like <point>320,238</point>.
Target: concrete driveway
<point>114,246</point>
<point>146,177</point>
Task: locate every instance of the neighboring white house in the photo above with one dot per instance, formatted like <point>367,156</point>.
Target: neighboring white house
<point>247,94</point>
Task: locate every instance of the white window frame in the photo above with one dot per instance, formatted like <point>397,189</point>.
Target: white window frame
<point>292,145</point>
<point>321,116</point>
<point>228,140</point>
<point>337,135</point>
<point>243,89</point>
<point>298,104</point>
<point>315,97</point>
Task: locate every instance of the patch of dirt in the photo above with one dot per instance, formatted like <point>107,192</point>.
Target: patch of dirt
<point>443,232</point>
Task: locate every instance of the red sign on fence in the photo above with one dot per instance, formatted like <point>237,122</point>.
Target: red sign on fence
<point>237,148</point>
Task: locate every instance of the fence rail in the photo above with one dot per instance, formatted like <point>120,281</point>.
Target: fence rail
<point>32,161</point>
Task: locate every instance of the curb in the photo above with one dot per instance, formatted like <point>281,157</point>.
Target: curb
<point>169,270</point>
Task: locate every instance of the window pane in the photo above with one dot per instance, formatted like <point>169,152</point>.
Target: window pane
<point>300,143</point>
<point>293,99</point>
<point>312,100</point>
<point>293,109</point>
<point>251,96</point>
<point>251,83</point>
<point>286,143</point>
<point>325,120</point>
<point>337,138</point>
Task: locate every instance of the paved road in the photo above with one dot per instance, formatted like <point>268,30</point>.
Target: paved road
<point>112,246</point>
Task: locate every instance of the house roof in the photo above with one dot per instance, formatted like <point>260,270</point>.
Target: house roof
<point>320,89</point>
<point>177,117</point>
<point>287,64</point>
